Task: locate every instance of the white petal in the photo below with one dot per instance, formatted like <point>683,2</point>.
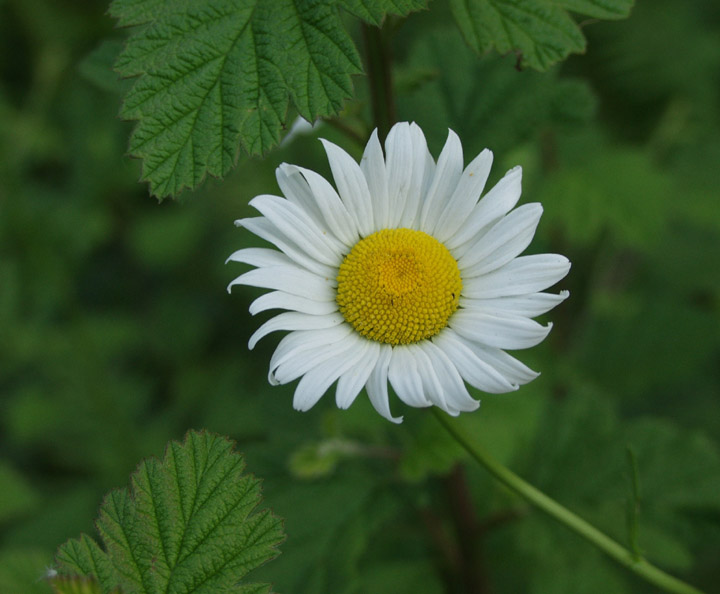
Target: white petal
<point>512,369</point>
<point>504,241</point>
<point>377,385</point>
<point>494,205</point>
<point>503,332</point>
<point>297,366</point>
<point>531,305</point>
<point>432,389</point>
<point>296,189</point>
<point>405,378</point>
<point>520,276</point>
<point>282,300</point>
<point>465,197</point>
<point>473,369</point>
<point>399,164</point>
<point>264,229</point>
<point>293,320</point>
<point>352,187</point>
<point>423,169</point>
<point>332,208</point>
<point>302,350</point>
<point>454,391</point>
<point>316,382</point>
<point>290,279</point>
<point>259,257</point>
<point>373,166</point>
<point>295,224</point>
<point>447,173</point>
<point>351,382</point>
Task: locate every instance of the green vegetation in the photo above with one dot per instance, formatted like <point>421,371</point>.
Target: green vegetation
<point>117,335</point>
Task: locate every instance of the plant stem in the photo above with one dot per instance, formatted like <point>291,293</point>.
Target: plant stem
<point>641,567</point>
<point>379,71</point>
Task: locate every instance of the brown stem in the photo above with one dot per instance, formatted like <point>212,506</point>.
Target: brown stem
<point>467,528</point>
<point>379,70</point>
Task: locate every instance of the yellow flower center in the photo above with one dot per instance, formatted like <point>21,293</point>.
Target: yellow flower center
<point>398,286</point>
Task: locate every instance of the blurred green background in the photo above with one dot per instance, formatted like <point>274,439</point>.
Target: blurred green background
<point>117,335</point>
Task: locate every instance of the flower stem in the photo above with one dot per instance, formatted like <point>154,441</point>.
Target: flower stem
<point>639,566</point>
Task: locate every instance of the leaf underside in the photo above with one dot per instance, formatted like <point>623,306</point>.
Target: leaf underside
<point>541,32</point>
<point>187,523</point>
<point>214,75</point>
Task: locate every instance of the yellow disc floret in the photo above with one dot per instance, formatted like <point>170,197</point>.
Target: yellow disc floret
<point>398,286</point>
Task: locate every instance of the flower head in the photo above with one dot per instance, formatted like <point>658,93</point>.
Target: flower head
<point>404,275</point>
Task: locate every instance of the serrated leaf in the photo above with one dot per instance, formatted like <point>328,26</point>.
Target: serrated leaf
<point>187,523</point>
<point>373,11</point>
<point>218,74</point>
<point>83,557</point>
<point>541,32</point>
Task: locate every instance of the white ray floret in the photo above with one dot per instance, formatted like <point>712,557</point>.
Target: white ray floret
<point>400,275</point>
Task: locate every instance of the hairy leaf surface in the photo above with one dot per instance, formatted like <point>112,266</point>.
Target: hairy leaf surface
<point>541,32</point>
<point>187,523</point>
<point>215,75</point>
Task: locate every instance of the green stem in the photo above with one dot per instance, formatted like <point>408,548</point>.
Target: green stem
<point>551,507</point>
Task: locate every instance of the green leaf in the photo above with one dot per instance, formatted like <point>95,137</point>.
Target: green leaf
<point>83,556</point>
<point>219,73</point>
<point>444,85</point>
<point>619,191</point>
<point>186,524</point>
<point>599,9</point>
<point>582,448</point>
<point>332,524</point>
<point>373,11</point>
<point>541,32</point>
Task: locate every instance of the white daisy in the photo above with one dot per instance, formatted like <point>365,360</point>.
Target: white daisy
<point>403,275</point>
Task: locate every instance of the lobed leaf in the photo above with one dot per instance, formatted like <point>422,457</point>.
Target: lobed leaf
<point>219,74</point>
<point>186,524</point>
<point>541,32</point>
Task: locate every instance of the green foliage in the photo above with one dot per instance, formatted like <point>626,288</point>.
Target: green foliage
<point>17,496</point>
<point>541,32</point>
<point>186,523</point>
<point>498,106</point>
<point>219,74</point>
<point>117,334</point>
<point>590,475</point>
<point>373,11</point>
<point>320,459</point>
<point>632,204</point>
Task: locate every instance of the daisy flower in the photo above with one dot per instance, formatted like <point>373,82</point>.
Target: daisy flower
<point>400,275</point>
